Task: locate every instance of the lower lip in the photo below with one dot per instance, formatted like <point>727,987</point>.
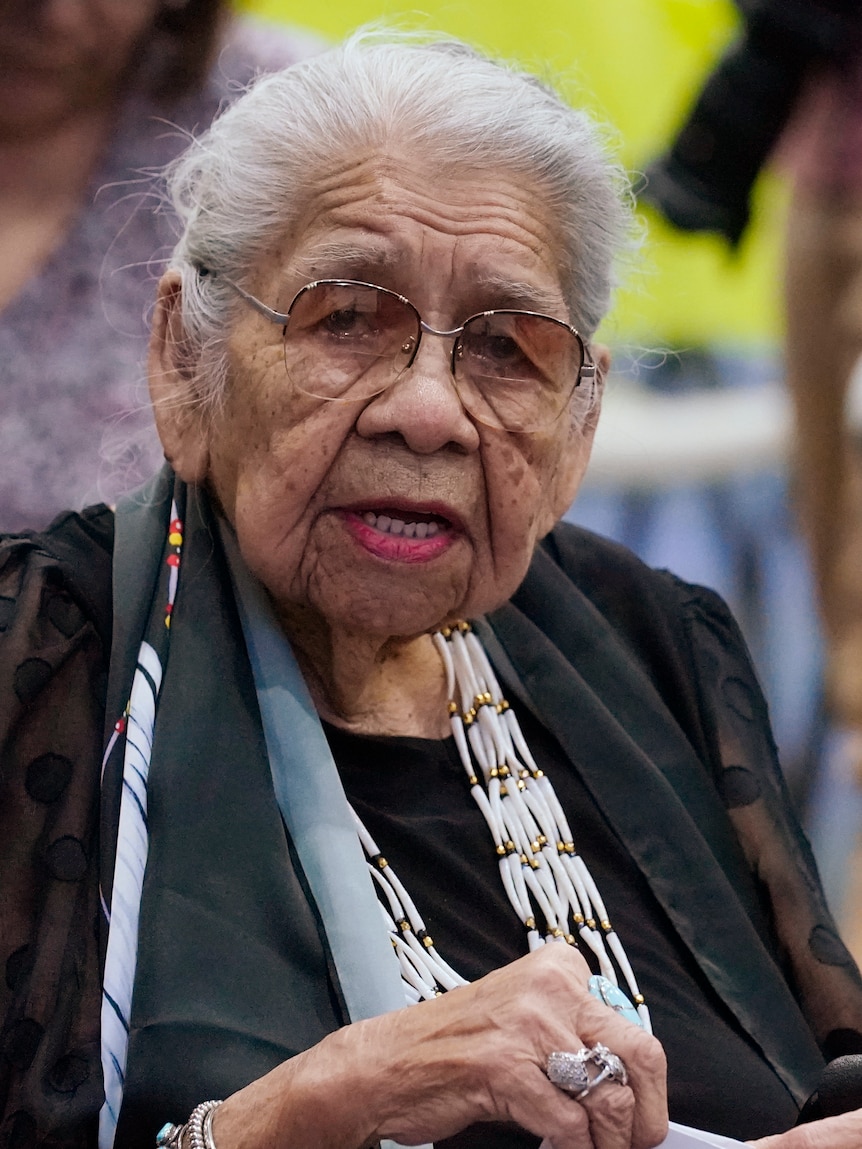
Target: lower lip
<point>397,548</point>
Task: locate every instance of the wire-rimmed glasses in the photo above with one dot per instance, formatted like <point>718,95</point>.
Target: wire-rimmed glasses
<point>347,341</point>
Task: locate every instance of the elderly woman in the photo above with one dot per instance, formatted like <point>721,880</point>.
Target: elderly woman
<point>387,752</point>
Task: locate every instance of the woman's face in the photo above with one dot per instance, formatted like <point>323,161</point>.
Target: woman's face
<point>59,58</point>
<point>313,486</point>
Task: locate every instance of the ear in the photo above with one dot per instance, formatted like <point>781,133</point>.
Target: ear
<point>576,453</point>
<point>181,424</point>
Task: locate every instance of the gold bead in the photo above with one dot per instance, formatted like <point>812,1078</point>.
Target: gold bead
<point>504,793</point>
<point>578,919</point>
<point>453,707</point>
<point>538,773</point>
<point>530,923</point>
<point>542,840</point>
<point>522,785</point>
<point>561,847</point>
<point>510,846</point>
<point>535,847</point>
<point>404,926</point>
<point>486,697</point>
<point>495,773</point>
<point>570,847</point>
<point>606,925</point>
<point>523,773</point>
<point>558,933</point>
<point>523,859</point>
<point>446,631</point>
<point>534,865</point>
<point>464,627</point>
<point>427,942</point>
<point>570,938</point>
<point>505,772</point>
<point>473,780</point>
<point>382,863</point>
<point>591,922</point>
<point>639,999</point>
<point>467,718</point>
<point>501,851</point>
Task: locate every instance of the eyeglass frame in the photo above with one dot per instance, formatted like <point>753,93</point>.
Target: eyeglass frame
<point>587,372</point>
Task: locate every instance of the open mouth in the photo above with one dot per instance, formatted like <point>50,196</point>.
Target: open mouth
<point>400,534</point>
<point>414,525</point>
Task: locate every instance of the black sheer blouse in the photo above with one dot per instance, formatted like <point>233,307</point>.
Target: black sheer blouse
<point>637,695</point>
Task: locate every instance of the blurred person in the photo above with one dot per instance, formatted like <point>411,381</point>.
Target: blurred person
<point>800,63</point>
<point>823,339</point>
<point>94,94</point>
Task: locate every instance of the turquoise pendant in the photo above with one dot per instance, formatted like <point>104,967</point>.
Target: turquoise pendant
<point>613,997</point>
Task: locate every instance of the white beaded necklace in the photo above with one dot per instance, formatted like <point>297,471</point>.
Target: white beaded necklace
<point>545,879</point>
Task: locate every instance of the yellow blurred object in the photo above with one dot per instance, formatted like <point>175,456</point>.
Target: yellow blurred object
<point>636,64</point>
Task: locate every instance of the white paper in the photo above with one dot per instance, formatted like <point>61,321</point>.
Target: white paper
<point>682,1137</point>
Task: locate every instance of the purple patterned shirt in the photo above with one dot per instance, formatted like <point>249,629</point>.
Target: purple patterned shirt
<point>75,421</point>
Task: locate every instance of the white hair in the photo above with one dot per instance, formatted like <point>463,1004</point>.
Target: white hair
<point>249,176</point>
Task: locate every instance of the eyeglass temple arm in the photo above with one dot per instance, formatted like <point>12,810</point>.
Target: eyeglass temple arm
<point>267,312</point>
<point>589,370</point>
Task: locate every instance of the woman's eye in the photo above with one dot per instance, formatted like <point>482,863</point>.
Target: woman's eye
<point>502,349</point>
<point>343,323</point>
<point>495,352</point>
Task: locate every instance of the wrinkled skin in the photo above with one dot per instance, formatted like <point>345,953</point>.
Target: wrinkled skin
<point>293,474</point>
<point>297,478</point>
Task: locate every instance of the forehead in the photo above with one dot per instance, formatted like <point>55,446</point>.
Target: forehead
<point>402,224</point>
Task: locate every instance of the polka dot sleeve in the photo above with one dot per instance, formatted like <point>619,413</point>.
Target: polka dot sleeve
<point>51,719</point>
<point>748,777</point>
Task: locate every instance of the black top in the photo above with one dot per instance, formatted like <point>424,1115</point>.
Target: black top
<point>655,735</point>
<point>413,796</point>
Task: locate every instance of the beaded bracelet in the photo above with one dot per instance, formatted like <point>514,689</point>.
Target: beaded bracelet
<point>199,1128</point>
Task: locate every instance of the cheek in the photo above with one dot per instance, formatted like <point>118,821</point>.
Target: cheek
<point>270,459</point>
<point>518,478</point>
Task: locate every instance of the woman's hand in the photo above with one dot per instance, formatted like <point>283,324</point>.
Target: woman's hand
<point>476,1054</point>
<point>844,1132</point>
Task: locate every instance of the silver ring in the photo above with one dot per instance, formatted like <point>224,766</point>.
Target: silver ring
<point>611,1068</point>
<point>568,1071</point>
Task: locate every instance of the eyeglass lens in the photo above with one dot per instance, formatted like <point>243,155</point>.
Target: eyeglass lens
<point>350,341</point>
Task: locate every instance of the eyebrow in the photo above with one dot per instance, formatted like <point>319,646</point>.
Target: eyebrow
<point>520,295</point>
<point>348,260</point>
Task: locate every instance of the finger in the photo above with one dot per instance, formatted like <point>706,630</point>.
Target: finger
<point>646,1067</point>
<point>844,1132</point>
<point>610,1108</point>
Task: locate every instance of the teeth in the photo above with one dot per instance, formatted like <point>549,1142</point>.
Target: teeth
<point>393,526</point>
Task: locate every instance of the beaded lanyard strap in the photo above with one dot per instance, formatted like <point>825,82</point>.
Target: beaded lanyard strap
<point>546,880</point>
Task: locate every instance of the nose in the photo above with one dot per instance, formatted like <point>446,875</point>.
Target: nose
<point>422,406</point>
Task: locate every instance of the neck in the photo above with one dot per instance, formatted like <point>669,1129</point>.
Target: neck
<point>371,685</point>
<point>56,165</point>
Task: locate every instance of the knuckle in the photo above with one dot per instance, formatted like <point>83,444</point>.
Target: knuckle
<point>615,1105</point>
<point>647,1054</point>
